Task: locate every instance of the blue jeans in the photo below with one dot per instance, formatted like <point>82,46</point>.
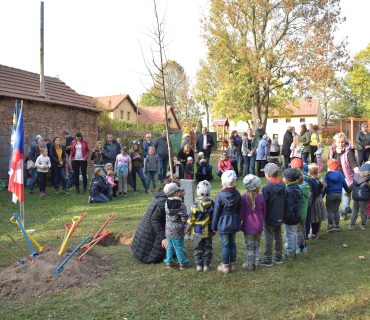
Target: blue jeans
<point>34,179</point>
<point>100,198</point>
<point>286,162</point>
<point>163,164</point>
<point>305,156</point>
<point>152,175</point>
<point>228,247</point>
<point>290,232</point>
<point>345,200</point>
<point>250,162</point>
<point>176,245</point>
<point>139,171</point>
<point>308,221</point>
<point>71,179</point>
<point>59,175</point>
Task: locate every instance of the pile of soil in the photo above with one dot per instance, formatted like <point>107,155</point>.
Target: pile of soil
<point>38,279</point>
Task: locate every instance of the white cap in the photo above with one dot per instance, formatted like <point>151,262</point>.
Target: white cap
<point>171,188</point>
<point>189,159</point>
<point>204,189</point>
<point>228,178</point>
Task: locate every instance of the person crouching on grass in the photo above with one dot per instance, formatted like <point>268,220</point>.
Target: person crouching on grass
<point>176,217</point>
<point>292,213</point>
<point>252,214</point>
<point>226,220</point>
<point>201,220</point>
<point>98,187</point>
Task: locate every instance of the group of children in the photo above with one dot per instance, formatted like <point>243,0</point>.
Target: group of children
<point>297,202</point>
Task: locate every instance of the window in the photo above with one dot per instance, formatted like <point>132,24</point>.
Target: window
<point>128,115</point>
<point>121,114</point>
<point>288,120</point>
<point>302,119</point>
<point>275,136</point>
<point>275,120</point>
<point>169,121</point>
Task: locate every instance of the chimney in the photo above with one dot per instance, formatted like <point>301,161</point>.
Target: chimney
<point>42,48</point>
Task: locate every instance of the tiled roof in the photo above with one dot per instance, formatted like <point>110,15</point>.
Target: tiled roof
<point>220,122</point>
<point>112,102</point>
<point>143,116</point>
<point>306,108</point>
<point>157,114</point>
<point>20,84</point>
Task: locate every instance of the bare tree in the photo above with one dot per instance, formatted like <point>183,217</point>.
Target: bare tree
<point>156,66</point>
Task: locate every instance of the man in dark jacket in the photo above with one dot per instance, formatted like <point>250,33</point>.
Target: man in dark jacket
<point>112,148</point>
<point>287,142</point>
<point>161,149</point>
<point>274,194</point>
<point>205,144</point>
<point>363,144</point>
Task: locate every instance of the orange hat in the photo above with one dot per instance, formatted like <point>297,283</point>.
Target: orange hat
<point>296,163</point>
<point>333,164</point>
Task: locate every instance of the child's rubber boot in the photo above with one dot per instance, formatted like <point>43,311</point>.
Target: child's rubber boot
<point>249,266</point>
<point>224,268</point>
<point>232,266</point>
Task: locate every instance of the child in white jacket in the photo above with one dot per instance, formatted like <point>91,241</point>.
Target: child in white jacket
<point>318,154</point>
<point>296,147</point>
<point>43,164</point>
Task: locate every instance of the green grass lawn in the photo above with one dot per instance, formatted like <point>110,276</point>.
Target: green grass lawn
<point>329,281</point>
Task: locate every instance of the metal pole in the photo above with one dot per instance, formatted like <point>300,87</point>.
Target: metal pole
<point>42,48</point>
<point>21,209</point>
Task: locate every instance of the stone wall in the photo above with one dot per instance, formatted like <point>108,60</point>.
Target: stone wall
<point>47,120</point>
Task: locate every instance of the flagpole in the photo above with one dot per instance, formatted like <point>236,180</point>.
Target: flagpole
<point>21,205</point>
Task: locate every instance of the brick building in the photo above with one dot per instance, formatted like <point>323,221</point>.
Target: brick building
<point>60,109</point>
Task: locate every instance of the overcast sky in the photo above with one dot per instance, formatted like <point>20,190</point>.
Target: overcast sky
<point>93,46</point>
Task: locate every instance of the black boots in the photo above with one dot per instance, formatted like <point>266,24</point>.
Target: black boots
<point>77,190</point>
<point>84,190</point>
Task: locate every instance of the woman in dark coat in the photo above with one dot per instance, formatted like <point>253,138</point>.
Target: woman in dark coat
<point>150,243</point>
<point>287,141</point>
<point>58,158</point>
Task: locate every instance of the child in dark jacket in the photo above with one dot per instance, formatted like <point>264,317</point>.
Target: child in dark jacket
<point>292,213</point>
<point>252,214</point>
<point>360,195</point>
<point>335,182</point>
<point>226,220</point>
<point>274,194</point>
<point>98,187</point>
<point>201,220</point>
<point>152,167</point>
<point>318,210</point>
<point>189,169</point>
<point>176,217</point>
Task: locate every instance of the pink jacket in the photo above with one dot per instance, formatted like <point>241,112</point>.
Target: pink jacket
<point>346,166</point>
<point>224,165</point>
<point>252,220</point>
<point>84,146</point>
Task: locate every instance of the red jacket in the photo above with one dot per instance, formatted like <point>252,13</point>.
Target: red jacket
<point>84,146</point>
<point>224,165</point>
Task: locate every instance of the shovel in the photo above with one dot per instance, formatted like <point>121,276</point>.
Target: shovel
<point>32,261</point>
<point>60,268</point>
<point>111,216</point>
<point>29,236</point>
<point>19,260</point>
<point>33,254</point>
<point>92,244</point>
<point>74,221</point>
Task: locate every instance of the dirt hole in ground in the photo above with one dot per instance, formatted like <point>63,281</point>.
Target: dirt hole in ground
<point>38,279</point>
<point>115,240</point>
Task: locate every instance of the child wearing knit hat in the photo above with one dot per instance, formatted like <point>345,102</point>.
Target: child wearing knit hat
<point>335,182</point>
<point>252,214</point>
<point>292,214</point>
<point>201,220</point>
<point>226,220</point>
<point>189,169</point>
<point>360,195</point>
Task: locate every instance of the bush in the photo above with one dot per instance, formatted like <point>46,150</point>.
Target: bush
<point>159,127</point>
<point>149,127</point>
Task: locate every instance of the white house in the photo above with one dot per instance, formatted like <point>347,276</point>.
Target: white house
<point>308,112</point>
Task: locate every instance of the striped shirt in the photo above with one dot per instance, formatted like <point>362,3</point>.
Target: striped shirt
<point>78,154</point>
